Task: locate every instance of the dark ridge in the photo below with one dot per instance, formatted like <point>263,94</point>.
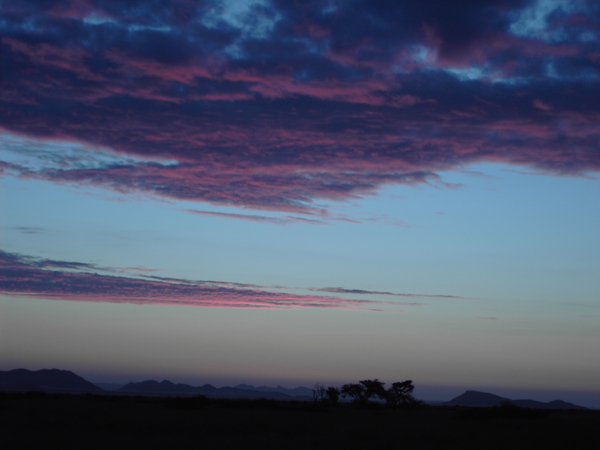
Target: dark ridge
<point>476,398</point>
<point>487,400</point>
<point>554,404</point>
<point>45,380</point>
<point>151,387</point>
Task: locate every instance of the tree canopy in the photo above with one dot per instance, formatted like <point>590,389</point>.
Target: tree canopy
<point>398,394</point>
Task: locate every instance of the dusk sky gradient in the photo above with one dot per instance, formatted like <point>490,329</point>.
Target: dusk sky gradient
<point>292,192</point>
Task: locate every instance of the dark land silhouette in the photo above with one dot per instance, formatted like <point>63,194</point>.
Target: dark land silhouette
<point>484,399</point>
<point>64,381</point>
<point>45,380</point>
<point>58,408</point>
<point>40,420</point>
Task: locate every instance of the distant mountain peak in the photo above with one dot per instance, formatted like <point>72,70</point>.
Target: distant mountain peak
<point>45,380</point>
<point>486,400</point>
<point>476,398</point>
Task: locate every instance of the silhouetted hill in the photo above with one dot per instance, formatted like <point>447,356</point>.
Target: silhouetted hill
<point>44,380</point>
<point>475,398</point>
<point>484,399</point>
<point>166,387</point>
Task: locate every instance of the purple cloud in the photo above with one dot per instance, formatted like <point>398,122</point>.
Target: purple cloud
<point>69,280</point>
<point>29,277</point>
<point>283,104</point>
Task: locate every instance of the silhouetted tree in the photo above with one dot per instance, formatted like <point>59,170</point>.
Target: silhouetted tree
<point>399,393</point>
<point>364,390</point>
<point>374,388</point>
<point>356,391</point>
<point>318,392</point>
<point>333,395</point>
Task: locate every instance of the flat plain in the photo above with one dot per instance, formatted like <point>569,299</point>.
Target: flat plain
<point>36,420</point>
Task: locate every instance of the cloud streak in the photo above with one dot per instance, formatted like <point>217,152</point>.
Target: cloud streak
<point>25,276</point>
<point>279,105</point>
<point>29,230</point>
<point>286,220</point>
<point>338,290</point>
<point>69,280</point>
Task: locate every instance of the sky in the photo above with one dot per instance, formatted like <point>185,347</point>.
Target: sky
<point>278,192</point>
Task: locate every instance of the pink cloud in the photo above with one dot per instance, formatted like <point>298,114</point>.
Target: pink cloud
<point>64,280</point>
<point>539,104</point>
<point>25,277</point>
<point>300,116</point>
<point>256,179</point>
<point>51,56</point>
<point>75,9</point>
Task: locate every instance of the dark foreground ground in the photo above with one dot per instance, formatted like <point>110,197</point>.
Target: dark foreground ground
<point>36,420</point>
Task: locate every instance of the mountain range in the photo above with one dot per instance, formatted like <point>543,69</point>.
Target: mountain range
<point>242,391</point>
<point>54,380</point>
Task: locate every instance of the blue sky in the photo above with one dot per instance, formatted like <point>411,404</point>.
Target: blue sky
<point>255,192</point>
